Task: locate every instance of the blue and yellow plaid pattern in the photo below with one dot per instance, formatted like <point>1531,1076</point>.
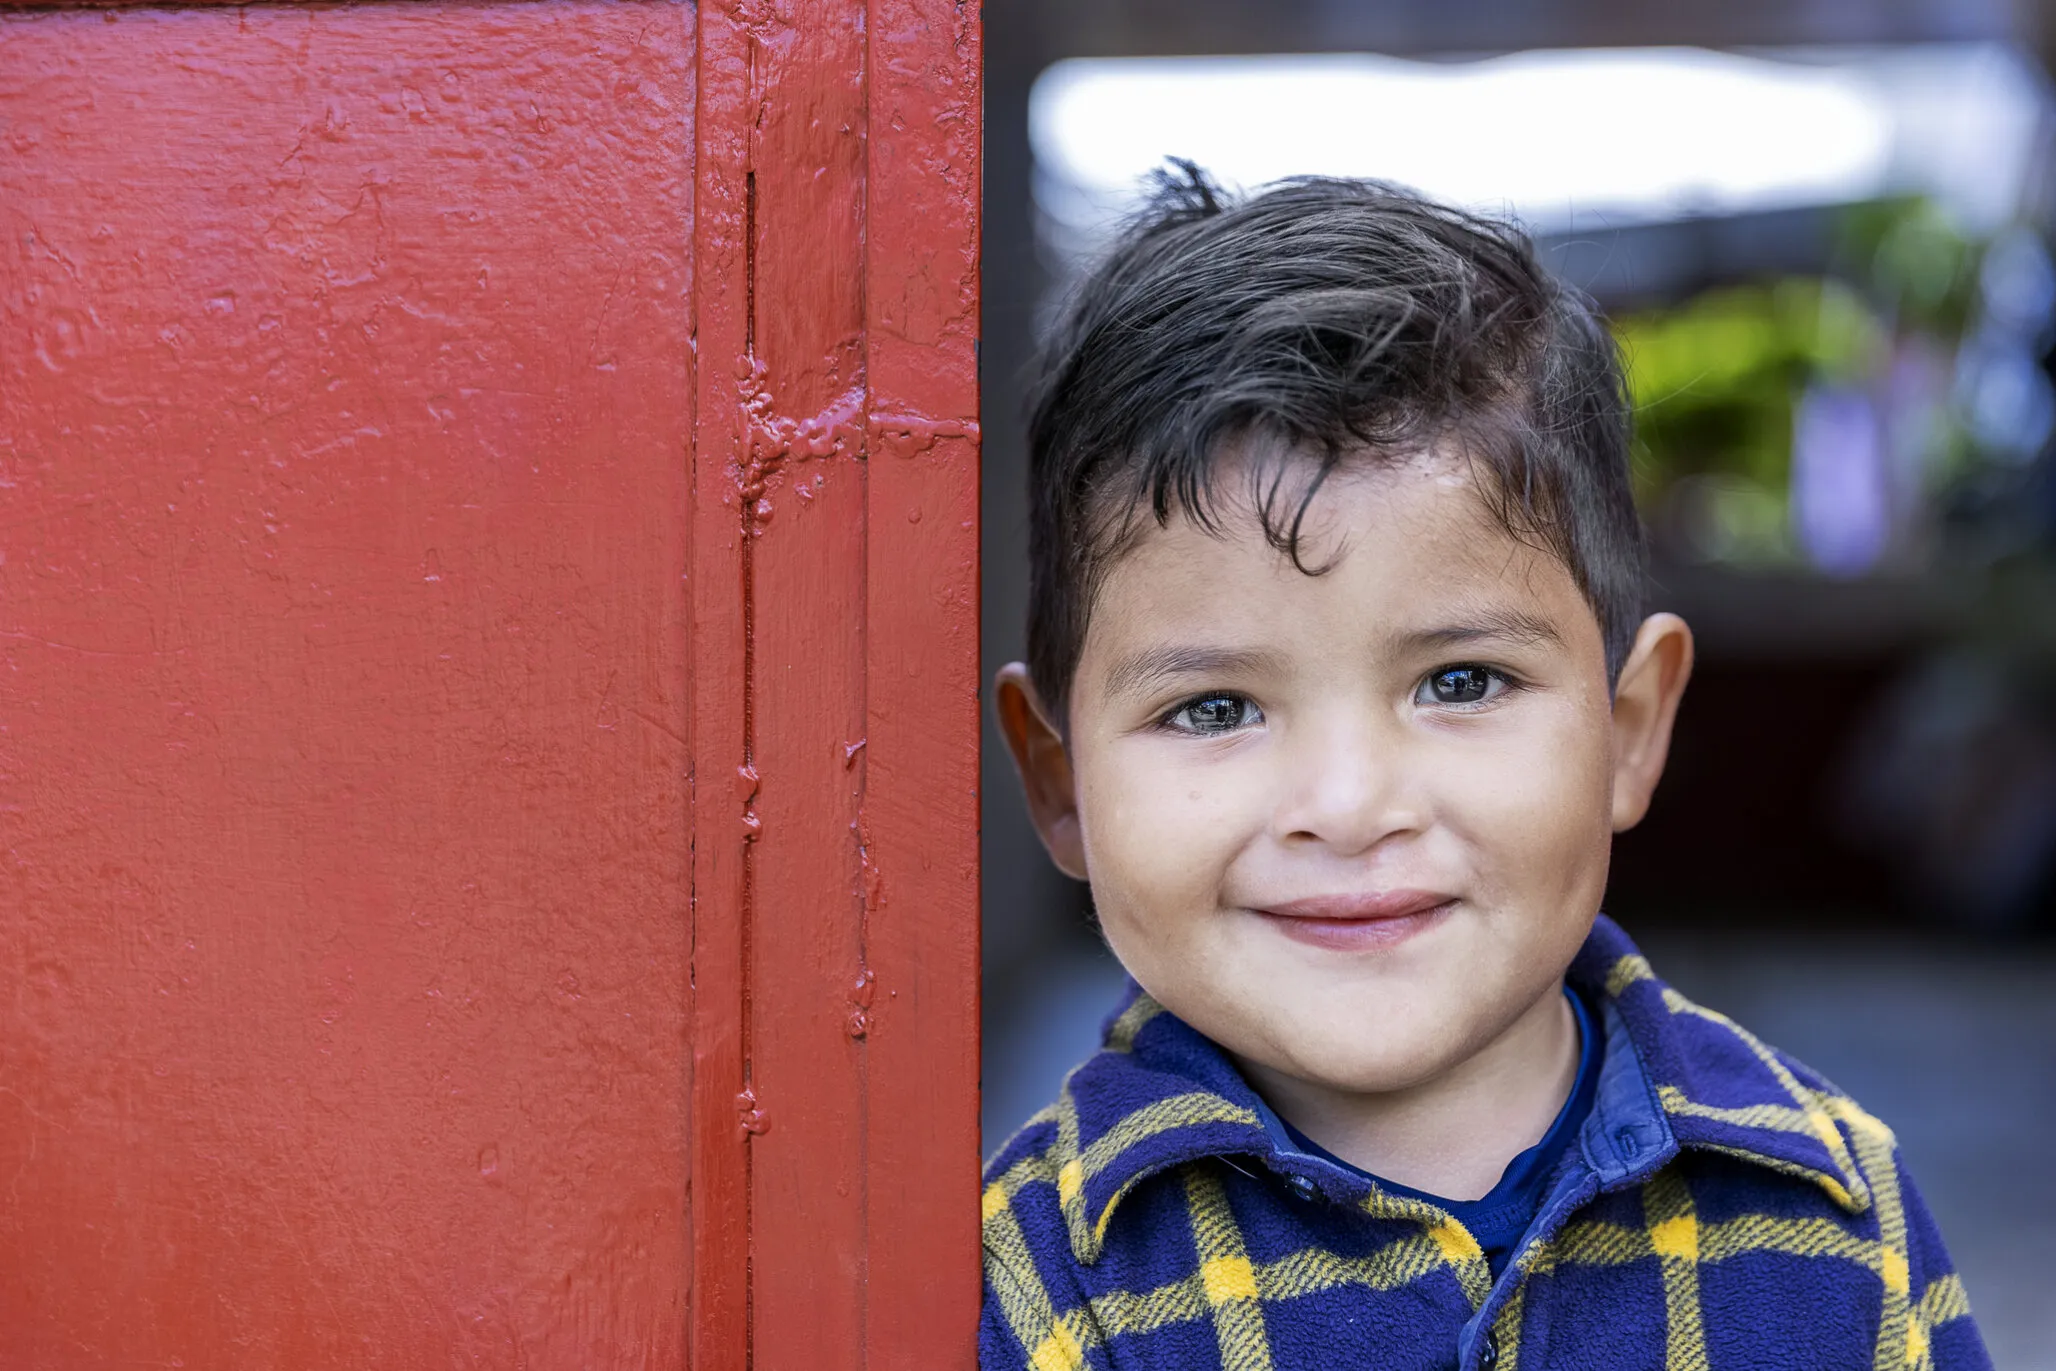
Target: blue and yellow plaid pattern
<point>1723,1209</point>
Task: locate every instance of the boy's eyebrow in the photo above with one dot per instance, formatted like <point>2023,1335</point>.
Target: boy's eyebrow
<point>1486,625</point>
<point>1148,666</point>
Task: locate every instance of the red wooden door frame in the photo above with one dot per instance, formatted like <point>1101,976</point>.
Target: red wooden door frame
<point>839,145</point>
<point>830,989</point>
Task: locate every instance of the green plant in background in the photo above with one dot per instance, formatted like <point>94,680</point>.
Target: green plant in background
<point>1915,263</point>
<point>1716,379</point>
<point>1714,382</point>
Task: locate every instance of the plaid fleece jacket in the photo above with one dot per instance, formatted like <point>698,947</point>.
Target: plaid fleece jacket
<point>1723,1209</point>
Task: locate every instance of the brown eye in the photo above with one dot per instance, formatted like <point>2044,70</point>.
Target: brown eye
<point>1215,714</point>
<point>1459,685</point>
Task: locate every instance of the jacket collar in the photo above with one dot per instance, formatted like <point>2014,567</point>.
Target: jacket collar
<point>1720,1088</point>
<point>1159,1094</point>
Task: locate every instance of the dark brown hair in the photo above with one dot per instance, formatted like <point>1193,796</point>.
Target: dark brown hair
<point>1320,321</point>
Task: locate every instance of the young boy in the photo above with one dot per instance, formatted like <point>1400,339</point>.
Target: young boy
<point>1338,688</point>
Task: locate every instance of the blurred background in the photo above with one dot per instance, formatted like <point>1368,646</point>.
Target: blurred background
<point>1823,233</point>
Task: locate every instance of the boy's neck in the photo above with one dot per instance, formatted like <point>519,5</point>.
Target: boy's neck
<point>1452,1135</point>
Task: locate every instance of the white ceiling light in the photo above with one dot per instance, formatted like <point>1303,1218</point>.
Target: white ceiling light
<point>1555,137</point>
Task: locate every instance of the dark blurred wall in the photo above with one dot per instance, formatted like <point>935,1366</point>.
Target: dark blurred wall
<point>1028,904</point>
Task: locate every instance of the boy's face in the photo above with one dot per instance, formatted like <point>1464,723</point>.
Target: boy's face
<point>1350,826</point>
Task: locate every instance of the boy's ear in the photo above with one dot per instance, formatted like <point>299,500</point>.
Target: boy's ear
<point>1044,765</point>
<point>1645,704</point>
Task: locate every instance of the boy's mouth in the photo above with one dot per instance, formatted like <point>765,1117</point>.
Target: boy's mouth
<point>1351,923</point>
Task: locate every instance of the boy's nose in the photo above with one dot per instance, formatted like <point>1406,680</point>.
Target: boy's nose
<point>1347,788</point>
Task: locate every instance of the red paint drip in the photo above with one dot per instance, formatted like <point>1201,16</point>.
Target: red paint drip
<point>771,440</point>
<point>747,784</point>
<point>912,435</point>
<point>861,996</point>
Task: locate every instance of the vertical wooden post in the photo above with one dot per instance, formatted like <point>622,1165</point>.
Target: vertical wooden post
<point>835,961</point>
<point>488,701</point>
<point>921,794</point>
<point>345,680</point>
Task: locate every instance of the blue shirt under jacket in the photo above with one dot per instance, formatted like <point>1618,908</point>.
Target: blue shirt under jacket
<point>1723,1208</point>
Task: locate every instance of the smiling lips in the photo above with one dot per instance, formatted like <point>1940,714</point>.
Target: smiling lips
<point>1353,923</point>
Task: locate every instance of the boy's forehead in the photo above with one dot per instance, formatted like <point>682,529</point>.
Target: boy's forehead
<point>1385,547</point>
<point>1380,517</point>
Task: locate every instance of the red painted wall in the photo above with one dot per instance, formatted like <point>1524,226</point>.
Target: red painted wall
<point>487,685</point>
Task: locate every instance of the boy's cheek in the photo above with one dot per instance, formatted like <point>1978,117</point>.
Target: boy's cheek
<point>1158,832</point>
<point>1149,840</point>
<point>1533,789</point>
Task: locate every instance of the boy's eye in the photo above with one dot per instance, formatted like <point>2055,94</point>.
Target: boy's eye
<point>1460,685</point>
<point>1215,714</point>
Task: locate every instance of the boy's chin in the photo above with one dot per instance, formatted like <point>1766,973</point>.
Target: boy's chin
<point>1370,1045</point>
<point>1369,1058</point>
